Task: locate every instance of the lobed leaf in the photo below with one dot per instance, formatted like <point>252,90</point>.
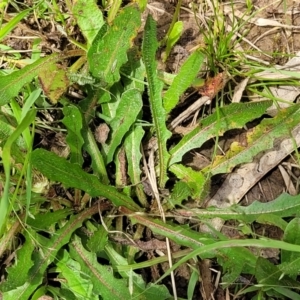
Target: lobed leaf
<point>282,207</point>
<point>73,279</point>
<point>99,238</point>
<point>235,115</point>
<point>102,277</point>
<point>268,274</point>
<point>140,289</point>
<point>259,139</point>
<point>180,192</point>
<point>196,181</point>
<point>154,90</point>
<point>234,245</point>
<point>43,221</point>
<point>58,169</point>
<point>43,258</point>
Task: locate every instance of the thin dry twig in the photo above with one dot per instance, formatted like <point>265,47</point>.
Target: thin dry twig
<point>150,172</point>
<point>190,110</point>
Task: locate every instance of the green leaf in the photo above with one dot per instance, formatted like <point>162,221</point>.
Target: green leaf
<point>132,144</point>
<point>233,116</point>
<point>219,247</point>
<point>18,272</point>
<point>73,279</point>
<point>142,4</point>
<point>114,7</point>
<point>184,236</point>
<point>44,257</point>
<point>90,145</point>
<point>140,289</point>
<point>7,127</point>
<point>133,71</point>
<point>98,240</point>
<point>109,108</point>
<point>102,277</point>
<point>259,139</point>
<point>173,38</point>
<point>283,206</point>
<point>292,235</point>
<point>44,221</point>
<point>268,275</point>
<point>179,234</point>
<point>89,18</point>
<point>11,84</point>
<point>194,279</point>
<point>54,82</point>
<point>126,114</point>
<point>234,261</point>
<point>198,182</point>
<point>149,47</point>
<point>183,80</point>
<point>72,175</point>
<point>180,192</point>
<point>73,122</point>
<point>272,219</point>
<point>109,50</point>
<point>288,293</point>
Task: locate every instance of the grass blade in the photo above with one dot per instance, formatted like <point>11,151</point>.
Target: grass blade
<point>6,160</point>
<point>7,28</point>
